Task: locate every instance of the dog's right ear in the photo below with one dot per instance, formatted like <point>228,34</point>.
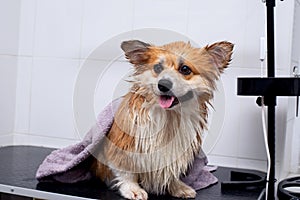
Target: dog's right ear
<point>136,51</point>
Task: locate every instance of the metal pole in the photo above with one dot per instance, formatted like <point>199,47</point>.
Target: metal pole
<point>270,38</point>
<point>271,99</point>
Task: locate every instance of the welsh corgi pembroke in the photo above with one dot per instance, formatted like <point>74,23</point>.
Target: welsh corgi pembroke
<point>157,129</point>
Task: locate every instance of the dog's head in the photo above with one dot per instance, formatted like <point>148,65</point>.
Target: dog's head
<point>177,72</point>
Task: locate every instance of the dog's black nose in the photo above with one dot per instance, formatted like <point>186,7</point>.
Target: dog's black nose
<point>164,85</point>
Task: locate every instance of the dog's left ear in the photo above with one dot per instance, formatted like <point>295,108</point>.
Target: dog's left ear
<point>221,54</point>
<point>136,51</point>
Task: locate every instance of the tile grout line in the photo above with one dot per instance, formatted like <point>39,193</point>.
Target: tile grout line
<point>42,136</point>
<point>32,66</point>
<point>237,157</point>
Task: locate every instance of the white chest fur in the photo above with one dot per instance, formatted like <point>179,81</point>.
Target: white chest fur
<point>166,142</point>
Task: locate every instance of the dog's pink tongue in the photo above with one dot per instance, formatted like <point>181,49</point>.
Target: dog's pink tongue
<point>166,101</point>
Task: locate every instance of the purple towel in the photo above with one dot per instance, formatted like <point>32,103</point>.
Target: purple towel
<point>71,164</point>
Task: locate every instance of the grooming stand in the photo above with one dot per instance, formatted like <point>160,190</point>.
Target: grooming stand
<point>269,88</point>
<point>284,194</point>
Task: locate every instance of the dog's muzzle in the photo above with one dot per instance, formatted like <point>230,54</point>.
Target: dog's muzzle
<point>167,99</point>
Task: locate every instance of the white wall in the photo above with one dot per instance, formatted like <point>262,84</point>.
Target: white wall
<point>291,157</point>
<point>9,23</point>
<point>55,37</point>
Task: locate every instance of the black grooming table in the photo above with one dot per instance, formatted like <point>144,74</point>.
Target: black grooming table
<point>18,165</point>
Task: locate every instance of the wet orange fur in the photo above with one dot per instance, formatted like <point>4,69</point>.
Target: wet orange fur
<point>206,64</point>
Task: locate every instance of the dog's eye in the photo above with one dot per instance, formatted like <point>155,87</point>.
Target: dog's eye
<point>158,68</point>
<point>185,70</point>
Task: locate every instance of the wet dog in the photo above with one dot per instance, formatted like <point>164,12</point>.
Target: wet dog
<point>158,127</point>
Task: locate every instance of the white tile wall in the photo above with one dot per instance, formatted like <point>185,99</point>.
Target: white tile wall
<point>111,87</point>
<point>103,20</point>
<point>58,28</point>
<point>243,27</point>
<point>27,27</point>
<point>8,78</point>
<point>291,112</point>
<point>286,158</point>
<point>296,32</point>
<point>23,95</point>
<point>9,23</point>
<point>241,135</point>
<point>110,49</point>
<point>254,29</point>
<point>53,38</point>
<point>291,156</point>
<point>168,14</point>
<point>255,164</point>
<point>95,87</point>
<point>84,91</point>
<point>246,140</point>
<point>283,28</point>
<point>225,160</point>
<point>38,140</point>
<point>230,130</point>
<point>251,141</point>
<point>296,147</point>
<point>52,96</point>
<point>281,119</point>
<point>6,139</point>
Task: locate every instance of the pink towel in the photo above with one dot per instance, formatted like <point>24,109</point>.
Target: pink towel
<point>71,164</point>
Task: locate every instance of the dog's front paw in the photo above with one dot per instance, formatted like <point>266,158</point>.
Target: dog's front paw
<point>133,191</point>
<point>185,193</point>
<point>181,190</point>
